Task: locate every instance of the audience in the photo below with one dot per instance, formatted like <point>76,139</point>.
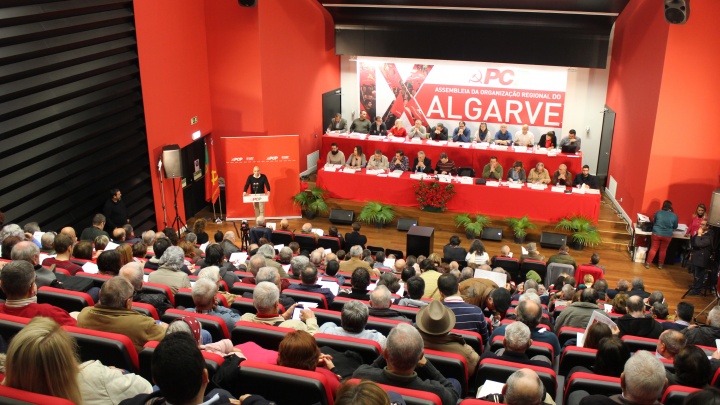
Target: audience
<point>265,300</point>
<point>515,344</point>
<point>636,322</point>
<point>299,350</point>
<point>578,314</point>
<point>612,353</point>
<point>692,368</point>
<point>308,279</point>
<point>355,262</point>
<point>132,272</point>
<point>203,295</point>
<point>353,319</point>
<point>467,316</point>
<point>355,238</point>
<point>670,343</point>
<point>683,316</point>
<point>169,272</point>
<point>380,302</point>
<point>359,281</point>
<point>705,335</point>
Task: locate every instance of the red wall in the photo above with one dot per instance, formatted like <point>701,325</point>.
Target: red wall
<point>173,69</point>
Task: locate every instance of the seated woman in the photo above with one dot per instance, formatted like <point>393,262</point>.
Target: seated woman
<point>517,173</point>
<point>611,357</point>
<point>357,159</point>
<point>548,140</point>
<point>398,129</point>
<point>477,256</point>
<point>299,350</point>
<point>692,368</point>
<point>453,250</point>
<point>42,359</point>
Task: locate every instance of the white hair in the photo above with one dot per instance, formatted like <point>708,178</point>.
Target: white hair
<point>644,376</point>
<point>713,317</point>
<point>380,298</point>
<point>204,291</point>
<point>265,296</point>
<point>173,258</point>
<point>532,296</point>
<point>404,347</point>
<point>132,272</point>
<point>267,251</point>
<point>211,272</point>
<point>517,336</point>
<point>267,273</point>
<point>356,251</point>
<point>519,392</point>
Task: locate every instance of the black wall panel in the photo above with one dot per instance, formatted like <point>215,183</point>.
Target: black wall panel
<point>72,124</point>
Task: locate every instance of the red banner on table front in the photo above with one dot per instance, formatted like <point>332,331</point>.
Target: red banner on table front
<point>278,159</point>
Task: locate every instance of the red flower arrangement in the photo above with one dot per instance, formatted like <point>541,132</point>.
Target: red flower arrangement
<point>433,194</point>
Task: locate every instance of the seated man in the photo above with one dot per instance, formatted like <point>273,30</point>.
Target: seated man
<point>29,252</point>
<point>638,288</point>
<point>271,275</point>
<point>516,342</point>
<point>445,165</point>
<point>63,246</point>
<point>462,133</point>
<point>578,313</point>
<point>331,269</point>
<point>378,161</point>
<point>435,322</point>
<point>585,179</point>
<point>562,176</point>
<point>203,295</point>
<point>380,302</point>
<point>265,300</point>
<point>504,253</point>
<point>439,133</point>
<point>683,316</point>
<point>417,131</point>
<point>467,316</point>
<point>362,124</point>
<point>670,343</point>
<point>400,162</point>
<point>114,314</point>
<point>517,173</point>
<point>415,288</point>
<point>563,257</point>
<point>268,252</point>
<point>523,387</point>
<point>17,280</point>
<point>453,250</point>
<point>530,313</point>
<point>421,164</point>
<point>353,319</point>
<point>334,157</point>
<point>355,261</point>
<point>403,364</point>
<point>380,263</point>
<point>524,137</point>
<point>705,335</point>
<point>493,170</point>
<point>359,281</point>
<point>571,139</point>
<point>132,272</point>
<point>92,232</point>
<point>539,174</point>
<point>260,230</point>
<point>503,137</point>
<point>307,229</point>
<point>338,123</point>
<point>308,279</point>
<point>378,127</point>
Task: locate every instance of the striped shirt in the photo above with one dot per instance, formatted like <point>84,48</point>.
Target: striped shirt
<point>467,316</point>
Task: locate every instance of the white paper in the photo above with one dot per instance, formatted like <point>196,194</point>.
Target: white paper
<point>382,175</point>
<point>330,285</point>
<point>580,339</point>
<point>416,140</point>
<point>371,287</point>
<point>38,237</point>
<point>599,317</point>
<point>271,225</point>
<point>286,267</point>
<point>238,258</point>
<point>466,180</point>
<point>145,278</point>
<point>306,304</point>
<point>444,179</point>
<point>642,218</point>
<point>401,291</point>
<point>521,149</point>
<point>510,255</point>
<point>717,344</point>
<point>373,171</point>
<point>44,256</point>
<point>192,284</point>
<point>556,189</point>
<point>111,246</point>
<point>395,173</point>
<point>608,307</point>
<point>492,183</point>
<point>499,278</point>
<point>524,251</point>
<point>329,168</point>
<point>90,267</point>
<point>374,137</point>
<point>482,145</point>
<point>318,231</point>
<point>578,190</point>
<point>592,191</point>
<point>328,251</point>
<point>541,151</point>
<point>515,185</point>
<point>278,247</point>
<point>204,246</point>
<point>501,147</point>
<point>490,387</point>
<point>389,263</point>
<point>347,170</point>
<point>395,139</point>
<point>417,176</point>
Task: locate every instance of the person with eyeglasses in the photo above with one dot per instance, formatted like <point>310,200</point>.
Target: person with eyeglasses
<point>702,247</point>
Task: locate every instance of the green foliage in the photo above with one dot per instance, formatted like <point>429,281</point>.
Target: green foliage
<point>520,226</point>
<point>377,213</point>
<point>475,227</point>
<point>583,232</point>
<point>312,200</point>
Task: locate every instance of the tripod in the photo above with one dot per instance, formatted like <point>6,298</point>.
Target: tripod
<point>707,284</point>
<point>178,220</point>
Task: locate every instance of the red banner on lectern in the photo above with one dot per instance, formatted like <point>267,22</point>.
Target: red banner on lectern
<point>278,159</point>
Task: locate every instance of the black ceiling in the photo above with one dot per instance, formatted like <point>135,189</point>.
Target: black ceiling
<point>557,32</point>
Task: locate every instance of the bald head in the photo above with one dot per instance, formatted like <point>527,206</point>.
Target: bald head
<point>307,227</point>
<point>132,272</point>
<point>523,387</point>
<point>69,231</point>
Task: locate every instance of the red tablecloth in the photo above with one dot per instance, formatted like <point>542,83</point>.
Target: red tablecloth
<point>463,157</point>
<point>543,205</point>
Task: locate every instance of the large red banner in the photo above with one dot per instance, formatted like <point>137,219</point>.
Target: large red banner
<point>278,159</point>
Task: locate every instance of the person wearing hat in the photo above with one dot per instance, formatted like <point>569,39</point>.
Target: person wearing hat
<point>532,253</point>
<point>434,322</point>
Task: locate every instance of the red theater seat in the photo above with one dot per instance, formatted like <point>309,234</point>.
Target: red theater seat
<point>112,349</point>
<point>284,385</point>
<point>20,397</point>
<point>499,370</point>
<point>212,361</point>
<point>299,295</point>
<point>70,301</point>
<point>368,349</point>
<point>573,356</point>
<point>593,384</point>
<point>411,397</point>
<point>213,324</point>
<point>266,336</point>
<point>146,309</point>
<point>676,394</point>
<point>281,237</point>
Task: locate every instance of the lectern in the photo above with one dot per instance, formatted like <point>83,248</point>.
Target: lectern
<point>420,240</point>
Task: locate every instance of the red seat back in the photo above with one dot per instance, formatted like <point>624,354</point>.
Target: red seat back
<point>27,397</point>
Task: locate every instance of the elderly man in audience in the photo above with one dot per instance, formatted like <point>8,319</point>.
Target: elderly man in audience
<point>683,316</point>
<point>285,255</point>
<point>638,288</point>
<point>670,343</point>
<point>63,246</point>
<point>578,314</point>
<point>70,231</point>
<point>643,381</point>
<point>92,232</point>
<point>17,280</point>
<point>380,302</point>
<point>529,312</point>
<point>623,286</point>
<point>270,274</point>
<point>435,322</point>
<point>297,265</point>
<point>399,266</point>
<point>636,323</point>
<point>114,314</point>
<point>414,288</point>
<point>170,271</point>
<point>705,335</point>
<point>255,263</point>
<point>563,257</point>
<point>228,244</point>
<point>118,235</point>
<point>355,261</point>
<point>132,272</point>
<point>203,295</point>
<point>308,282</point>
<point>467,316</point>
<point>515,344</point>
<point>46,243</point>
<point>317,258</point>
<point>213,273</point>
<point>214,257</point>
<point>355,238</point>
<point>403,364</point>
<point>268,252</point>
<point>265,300</point>
<point>359,282</point>
<point>523,387</point>
<point>29,252</point>
<point>260,230</point>
<point>353,320</point>
<point>148,237</point>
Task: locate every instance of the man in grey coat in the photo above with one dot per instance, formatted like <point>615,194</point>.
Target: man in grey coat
<point>578,314</point>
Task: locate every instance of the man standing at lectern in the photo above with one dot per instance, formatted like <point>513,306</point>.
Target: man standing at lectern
<point>258,184</point>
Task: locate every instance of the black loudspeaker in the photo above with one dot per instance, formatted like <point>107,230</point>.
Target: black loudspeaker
<point>172,162</point>
<point>404,224</point>
<point>677,11</point>
<point>713,216</point>
<point>420,240</point>
<point>341,217</point>
<point>553,240</point>
<point>248,3</point>
<point>491,234</point>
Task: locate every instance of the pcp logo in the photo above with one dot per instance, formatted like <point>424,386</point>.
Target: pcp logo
<point>272,158</point>
<point>504,77</point>
<point>237,159</point>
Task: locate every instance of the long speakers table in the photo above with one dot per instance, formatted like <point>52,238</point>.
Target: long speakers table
<point>543,205</point>
<point>463,154</point>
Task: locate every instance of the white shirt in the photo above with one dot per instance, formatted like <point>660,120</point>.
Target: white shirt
<point>527,139</point>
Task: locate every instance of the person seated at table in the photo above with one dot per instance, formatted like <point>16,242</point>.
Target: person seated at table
<point>445,165</point>
<point>462,133</point>
<point>357,159</point>
<point>539,174</point>
<point>337,124</point>
<point>439,133</point>
<point>493,170</point>
<point>378,127</point>
<point>417,131</point>
<point>421,164</point>
<point>548,140</point>
<point>400,162</point>
<point>361,125</point>
<point>562,176</point>
<point>398,130</point>
<point>378,161</point>
<point>482,134</point>
<point>571,139</point>
<point>503,137</point>
<point>524,137</point>
<point>335,156</point>
<point>585,179</point>
<point>517,172</point>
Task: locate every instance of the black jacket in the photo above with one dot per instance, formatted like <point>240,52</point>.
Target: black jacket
<point>443,136</point>
<point>428,166</point>
<point>354,238</point>
<point>701,250</point>
<point>643,327</point>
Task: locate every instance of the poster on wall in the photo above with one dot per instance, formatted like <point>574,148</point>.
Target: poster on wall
<point>448,92</point>
<point>277,156</point>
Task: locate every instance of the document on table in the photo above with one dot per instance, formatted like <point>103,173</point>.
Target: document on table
<point>373,171</point>
<point>271,225</point>
<point>395,173</point>
<point>466,180</point>
<point>492,183</point>
<point>592,191</point>
<point>558,189</point>
<point>347,170</point>
<point>397,140</point>
<point>374,137</point>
